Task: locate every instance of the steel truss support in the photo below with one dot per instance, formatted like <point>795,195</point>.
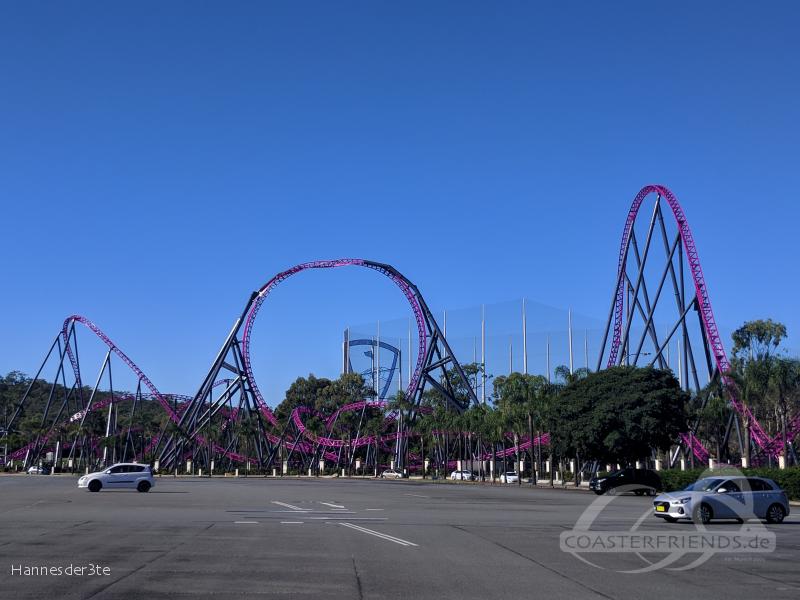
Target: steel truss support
<point>199,423</point>
<point>681,271</point>
<point>437,367</point>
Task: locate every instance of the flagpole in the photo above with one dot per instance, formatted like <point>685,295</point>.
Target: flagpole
<point>409,354</point>
<point>400,369</point>
<point>483,354</point>
<point>346,351</point>
<point>569,335</point>
<point>378,363</point>
<point>524,339</point>
<point>548,358</point>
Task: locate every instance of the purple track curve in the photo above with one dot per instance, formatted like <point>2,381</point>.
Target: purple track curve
<point>703,300</point>
<point>133,367</point>
<point>268,287</point>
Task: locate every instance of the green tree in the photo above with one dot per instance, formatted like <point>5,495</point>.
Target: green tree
<point>564,377</point>
<point>755,346</point>
<point>712,417</point>
<point>757,339</point>
<point>524,400</point>
<point>784,391</point>
<point>619,414</point>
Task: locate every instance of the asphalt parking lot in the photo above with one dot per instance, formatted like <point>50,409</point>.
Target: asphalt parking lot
<point>328,538</point>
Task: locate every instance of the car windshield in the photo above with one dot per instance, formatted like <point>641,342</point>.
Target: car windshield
<point>703,485</point>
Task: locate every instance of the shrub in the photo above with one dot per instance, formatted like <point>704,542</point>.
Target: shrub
<point>787,479</point>
<point>675,479</point>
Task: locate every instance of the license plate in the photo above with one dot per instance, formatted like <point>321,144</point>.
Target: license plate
<point>661,508</point>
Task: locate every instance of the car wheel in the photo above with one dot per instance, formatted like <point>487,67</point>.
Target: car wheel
<point>144,486</point>
<point>599,492</point>
<point>775,514</point>
<point>94,485</point>
<point>702,514</point>
<point>670,519</point>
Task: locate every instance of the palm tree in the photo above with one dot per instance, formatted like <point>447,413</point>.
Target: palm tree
<point>713,417</point>
<point>404,407</point>
<point>749,381</point>
<point>784,389</point>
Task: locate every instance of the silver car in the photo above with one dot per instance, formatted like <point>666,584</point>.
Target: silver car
<point>393,474</point>
<point>120,476</point>
<point>724,497</point>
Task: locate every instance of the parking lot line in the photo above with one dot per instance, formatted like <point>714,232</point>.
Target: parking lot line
<point>245,522</point>
<point>378,534</point>
<point>292,506</point>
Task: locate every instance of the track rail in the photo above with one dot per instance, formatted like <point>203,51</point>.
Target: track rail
<point>703,302</point>
<point>401,282</point>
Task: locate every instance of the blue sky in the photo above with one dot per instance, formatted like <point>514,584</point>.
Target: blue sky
<point>159,161</point>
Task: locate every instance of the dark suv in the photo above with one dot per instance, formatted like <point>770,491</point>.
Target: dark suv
<point>639,481</point>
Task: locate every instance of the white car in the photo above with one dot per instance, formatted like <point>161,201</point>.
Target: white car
<point>509,477</point>
<point>464,475</point>
<point>393,474</point>
<point>128,476</point>
<point>724,497</point>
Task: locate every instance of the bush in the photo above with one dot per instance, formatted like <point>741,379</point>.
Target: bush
<point>787,479</point>
<point>675,479</point>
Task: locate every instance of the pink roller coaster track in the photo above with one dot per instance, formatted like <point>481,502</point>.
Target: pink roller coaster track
<point>703,301</point>
<point>268,287</point>
<point>262,294</point>
<point>133,367</point>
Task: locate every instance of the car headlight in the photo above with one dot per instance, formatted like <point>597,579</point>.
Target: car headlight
<point>601,480</point>
<point>684,500</point>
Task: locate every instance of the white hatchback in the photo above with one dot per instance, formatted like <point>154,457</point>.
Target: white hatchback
<point>509,477</point>
<point>130,476</point>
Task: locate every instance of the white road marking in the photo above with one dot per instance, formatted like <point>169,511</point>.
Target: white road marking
<point>417,495</point>
<point>245,522</point>
<point>332,505</point>
<point>374,509</point>
<point>383,536</point>
<point>292,506</point>
<point>291,522</point>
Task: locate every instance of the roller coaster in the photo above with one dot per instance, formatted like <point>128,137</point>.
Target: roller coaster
<point>660,302</point>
